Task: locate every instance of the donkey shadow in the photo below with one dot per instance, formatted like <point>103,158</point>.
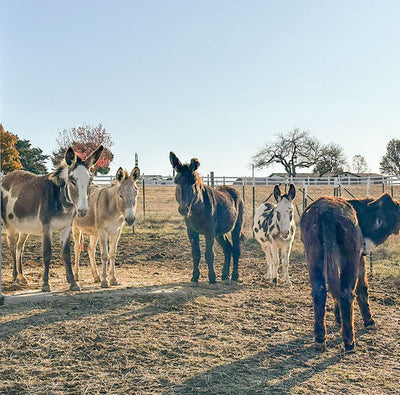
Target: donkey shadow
<point>275,370</point>
<point>45,309</point>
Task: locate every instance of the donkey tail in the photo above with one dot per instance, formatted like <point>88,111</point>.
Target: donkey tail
<point>331,270</point>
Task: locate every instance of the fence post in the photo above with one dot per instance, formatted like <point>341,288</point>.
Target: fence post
<point>212,178</point>
<point>254,195</point>
<point>305,193</point>
<point>243,184</point>
<point>144,198</point>
<point>368,186</point>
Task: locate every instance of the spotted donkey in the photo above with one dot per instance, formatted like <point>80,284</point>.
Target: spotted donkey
<point>274,229</point>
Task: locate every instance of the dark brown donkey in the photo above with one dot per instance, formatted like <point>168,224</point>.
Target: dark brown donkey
<point>337,234</point>
<point>212,212</point>
<point>32,204</point>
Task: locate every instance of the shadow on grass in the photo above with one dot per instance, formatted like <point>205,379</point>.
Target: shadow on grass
<point>45,309</point>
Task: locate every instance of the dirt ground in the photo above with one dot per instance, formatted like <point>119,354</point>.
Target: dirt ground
<point>156,334</point>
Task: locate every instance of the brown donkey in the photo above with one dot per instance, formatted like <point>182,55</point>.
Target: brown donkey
<point>32,204</point>
<point>336,234</point>
<point>110,206</point>
<point>212,212</point>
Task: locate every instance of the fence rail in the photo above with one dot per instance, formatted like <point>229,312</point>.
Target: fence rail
<point>212,180</point>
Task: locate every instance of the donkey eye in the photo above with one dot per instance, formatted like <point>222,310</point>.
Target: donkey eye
<point>73,181</point>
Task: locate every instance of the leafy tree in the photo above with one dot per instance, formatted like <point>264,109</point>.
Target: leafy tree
<point>331,159</point>
<point>9,155</point>
<point>359,164</point>
<point>32,159</point>
<point>294,149</point>
<point>84,140</point>
<point>390,163</point>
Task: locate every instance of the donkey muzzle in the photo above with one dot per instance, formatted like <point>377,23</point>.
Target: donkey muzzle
<point>82,212</point>
<point>183,210</point>
<point>285,234</point>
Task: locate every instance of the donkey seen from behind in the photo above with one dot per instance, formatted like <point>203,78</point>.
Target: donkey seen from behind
<point>274,228</point>
<point>212,212</point>
<point>337,234</point>
<point>32,204</point>
<point>110,207</point>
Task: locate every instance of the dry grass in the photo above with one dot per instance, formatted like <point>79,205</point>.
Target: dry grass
<point>156,334</point>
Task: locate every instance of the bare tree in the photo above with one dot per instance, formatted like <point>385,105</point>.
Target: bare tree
<point>331,160</point>
<point>359,164</point>
<point>294,149</point>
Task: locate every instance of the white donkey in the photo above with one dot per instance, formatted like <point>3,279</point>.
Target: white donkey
<point>110,206</point>
<point>274,229</point>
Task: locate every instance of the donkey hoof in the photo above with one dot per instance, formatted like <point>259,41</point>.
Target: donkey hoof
<point>104,284</point>
<point>370,325</point>
<point>320,346</point>
<point>113,281</point>
<point>349,348</point>
<point>76,276</point>
<point>74,287</point>
<point>45,288</point>
<point>21,280</point>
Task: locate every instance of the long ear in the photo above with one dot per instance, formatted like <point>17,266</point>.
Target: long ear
<point>120,174</point>
<point>92,159</point>
<point>70,156</point>
<point>194,165</point>
<point>277,193</point>
<point>175,162</point>
<point>292,192</point>
<point>135,173</point>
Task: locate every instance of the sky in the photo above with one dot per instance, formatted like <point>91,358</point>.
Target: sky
<point>211,79</point>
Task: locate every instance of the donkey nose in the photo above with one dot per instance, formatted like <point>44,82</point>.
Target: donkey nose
<point>183,210</point>
<point>130,220</point>
<point>82,212</point>
<point>285,234</point>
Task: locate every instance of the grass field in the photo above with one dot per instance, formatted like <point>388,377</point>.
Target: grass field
<point>154,333</point>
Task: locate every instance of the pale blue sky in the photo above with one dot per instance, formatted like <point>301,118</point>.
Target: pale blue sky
<point>208,79</point>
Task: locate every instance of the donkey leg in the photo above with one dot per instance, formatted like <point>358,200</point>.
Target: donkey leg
<point>92,253</point>
<point>362,296</point>
<point>19,252</point>
<point>236,251</point>
<point>285,253</point>
<point>196,254</point>
<point>347,311</point>
<point>103,238</point>
<point>76,235</point>
<point>65,237</point>
<point>275,262</point>
<point>337,312</point>
<point>11,241</point>
<point>268,257</point>
<point>319,298</point>
<point>46,245</point>
<point>113,252</point>
<point>209,255</point>
<point>227,248</point>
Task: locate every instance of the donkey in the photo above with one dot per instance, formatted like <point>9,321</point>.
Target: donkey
<point>335,233</point>
<point>212,212</point>
<point>32,204</point>
<point>110,207</point>
<point>274,229</point>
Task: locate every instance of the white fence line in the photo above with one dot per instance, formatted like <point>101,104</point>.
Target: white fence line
<point>267,181</point>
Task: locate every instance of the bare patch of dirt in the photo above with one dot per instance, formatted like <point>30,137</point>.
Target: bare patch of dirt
<point>154,333</point>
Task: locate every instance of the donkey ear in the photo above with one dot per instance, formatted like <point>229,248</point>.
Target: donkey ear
<point>277,193</point>
<point>92,159</point>
<point>70,156</point>
<point>120,174</point>
<point>175,162</point>
<point>292,192</point>
<point>135,174</point>
<point>194,165</point>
